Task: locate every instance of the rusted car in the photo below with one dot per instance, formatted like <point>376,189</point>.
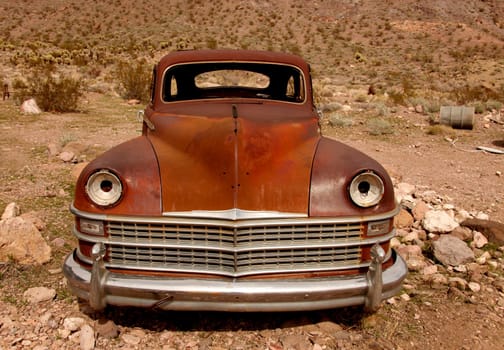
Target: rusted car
<point>232,200</point>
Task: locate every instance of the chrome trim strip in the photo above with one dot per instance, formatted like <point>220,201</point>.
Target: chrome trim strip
<point>234,214</point>
<point>360,242</point>
<point>234,223</point>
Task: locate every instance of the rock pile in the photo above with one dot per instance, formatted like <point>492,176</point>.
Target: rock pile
<point>444,243</point>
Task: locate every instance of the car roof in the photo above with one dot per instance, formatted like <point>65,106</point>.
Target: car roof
<point>231,55</point>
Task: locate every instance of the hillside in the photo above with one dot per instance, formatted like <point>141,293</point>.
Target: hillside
<point>434,45</point>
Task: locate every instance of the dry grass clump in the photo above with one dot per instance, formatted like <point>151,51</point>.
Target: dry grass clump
<point>440,130</point>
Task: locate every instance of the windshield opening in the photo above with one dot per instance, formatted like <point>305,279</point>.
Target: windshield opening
<point>214,80</point>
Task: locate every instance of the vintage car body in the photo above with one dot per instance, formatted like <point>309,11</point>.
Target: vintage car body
<point>231,199</point>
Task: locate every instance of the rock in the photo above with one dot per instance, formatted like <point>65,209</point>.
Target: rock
<point>22,241</point>
<point>11,211</point>
<point>463,233</point>
<point>411,237</point>
<point>499,285</point>
<point>35,219</point>
<point>295,342</point>
<point>429,196</point>
<point>476,272</point>
<point>437,280</point>
<point>474,287</point>
<point>462,215</point>
<point>403,219</point>
<point>452,251</point>
<point>405,297</point>
<point>73,324</point>
<point>412,254</point>
<point>479,240</point>
<point>405,188</point>
<point>458,283</point>
<point>58,242</point>
<point>430,270</point>
<point>130,339</point>
<point>75,147</point>
<point>483,258</point>
<point>408,251</point>
<point>329,327</point>
<point>493,230</point>
<point>39,294</point>
<point>53,149</point>
<point>419,210</point>
<point>395,242</point>
<point>439,221</point>
<point>87,338</point>
<point>30,107</point>
<point>77,169</point>
<point>67,156</point>
<point>482,216</point>
<point>107,329</point>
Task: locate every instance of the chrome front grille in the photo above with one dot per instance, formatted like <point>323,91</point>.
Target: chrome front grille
<point>234,250</point>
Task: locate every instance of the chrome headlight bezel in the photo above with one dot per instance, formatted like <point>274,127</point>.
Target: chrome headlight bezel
<point>104,188</point>
<point>366,189</point>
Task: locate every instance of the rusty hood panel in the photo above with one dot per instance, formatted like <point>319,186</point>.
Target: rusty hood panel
<point>227,159</point>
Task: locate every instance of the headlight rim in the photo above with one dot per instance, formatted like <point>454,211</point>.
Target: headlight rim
<point>359,178</point>
<point>93,188</point>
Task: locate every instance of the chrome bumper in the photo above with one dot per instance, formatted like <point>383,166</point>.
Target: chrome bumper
<point>101,287</point>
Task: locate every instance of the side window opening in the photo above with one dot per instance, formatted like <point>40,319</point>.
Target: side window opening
<point>173,87</point>
<point>291,92</point>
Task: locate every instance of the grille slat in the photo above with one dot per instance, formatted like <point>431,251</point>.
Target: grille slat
<point>234,251</point>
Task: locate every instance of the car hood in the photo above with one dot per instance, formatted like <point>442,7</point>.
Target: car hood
<point>230,160</point>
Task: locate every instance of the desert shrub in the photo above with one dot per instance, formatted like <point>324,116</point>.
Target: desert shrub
<point>493,105</point>
<point>52,92</point>
<point>467,93</point>
<point>428,105</point>
<point>377,126</point>
<point>133,80</point>
<point>382,110</point>
<point>338,120</point>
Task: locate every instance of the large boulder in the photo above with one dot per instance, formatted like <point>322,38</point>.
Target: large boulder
<point>21,240</point>
<point>452,251</point>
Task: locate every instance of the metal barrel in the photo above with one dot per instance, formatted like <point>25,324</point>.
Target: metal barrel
<point>458,117</point>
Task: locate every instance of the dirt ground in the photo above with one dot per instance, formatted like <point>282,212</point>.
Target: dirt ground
<point>425,318</point>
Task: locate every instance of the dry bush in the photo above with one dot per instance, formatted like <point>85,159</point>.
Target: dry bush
<point>133,80</point>
<point>467,93</point>
<point>52,92</point>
